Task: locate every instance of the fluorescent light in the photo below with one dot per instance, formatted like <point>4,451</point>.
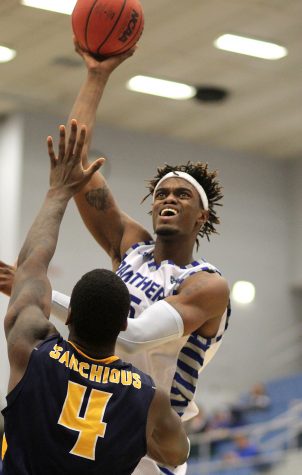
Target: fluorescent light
<point>6,54</point>
<point>243,292</point>
<point>59,6</point>
<point>159,87</point>
<point>250,47</point>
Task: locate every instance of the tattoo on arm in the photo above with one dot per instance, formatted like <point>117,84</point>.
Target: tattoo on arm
<point>99,199</point>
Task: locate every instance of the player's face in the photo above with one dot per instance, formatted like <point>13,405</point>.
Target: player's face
<point>177,208</point>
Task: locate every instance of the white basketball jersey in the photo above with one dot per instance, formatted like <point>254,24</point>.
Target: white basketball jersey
<point>175,365</point>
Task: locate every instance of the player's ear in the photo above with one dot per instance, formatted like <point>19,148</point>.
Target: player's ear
<point>68,319</point>
<point>202,217</point>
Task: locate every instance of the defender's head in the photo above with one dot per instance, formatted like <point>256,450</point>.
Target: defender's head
<point>99,306</point>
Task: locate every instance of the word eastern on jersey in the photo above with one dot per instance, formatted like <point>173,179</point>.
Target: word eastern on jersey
<point>94,372</point>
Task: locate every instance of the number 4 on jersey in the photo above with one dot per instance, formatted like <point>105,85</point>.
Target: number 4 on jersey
<point>91,426</point>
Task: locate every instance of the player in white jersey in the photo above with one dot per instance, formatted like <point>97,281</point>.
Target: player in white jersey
<point>179,305</point>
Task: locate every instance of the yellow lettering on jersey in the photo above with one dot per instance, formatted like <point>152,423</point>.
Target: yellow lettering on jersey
<point>83,366</point>
<point>106,374</point>
<point>96,373</point>
<point>137,383</point>
<point>91,426</point>
<point>65,358</point>
<point>73,363</point>
<point>115,376</point>
<point>56,352</point>
<point>126,378</point>
<point>4,447</point>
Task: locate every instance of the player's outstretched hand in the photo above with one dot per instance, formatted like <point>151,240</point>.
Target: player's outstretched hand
<point>66,170</point>
<point>7,274</point>
<point>105,66</point>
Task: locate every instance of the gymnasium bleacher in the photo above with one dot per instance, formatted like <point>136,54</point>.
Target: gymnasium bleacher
<point>276,431</point>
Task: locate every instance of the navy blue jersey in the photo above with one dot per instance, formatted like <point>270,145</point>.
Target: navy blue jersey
<point>71,414</point>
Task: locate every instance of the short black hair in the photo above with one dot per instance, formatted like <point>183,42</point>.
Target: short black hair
<point>206,179</point>
<point>99,304</point>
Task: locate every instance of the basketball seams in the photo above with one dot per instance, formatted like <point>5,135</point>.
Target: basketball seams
<point>112,29</point>
<point>133,40</point>
<point>87,23</point>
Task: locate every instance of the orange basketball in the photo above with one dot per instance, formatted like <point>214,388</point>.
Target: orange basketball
<point>107,27</point>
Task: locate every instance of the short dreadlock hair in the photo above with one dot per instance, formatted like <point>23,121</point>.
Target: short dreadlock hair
<point>206,179</point>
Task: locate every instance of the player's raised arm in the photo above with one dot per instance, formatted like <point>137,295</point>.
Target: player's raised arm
<point>26,322</point>
<point>167,442</point>
<point>111,228</point>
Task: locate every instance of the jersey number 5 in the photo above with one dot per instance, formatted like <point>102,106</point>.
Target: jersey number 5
<point>134,303</point>
<point>93,418</point>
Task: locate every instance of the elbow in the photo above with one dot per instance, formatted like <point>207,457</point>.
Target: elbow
<point>182,455</point>
<point>179,458</point>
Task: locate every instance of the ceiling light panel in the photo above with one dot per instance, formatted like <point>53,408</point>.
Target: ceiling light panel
<point>160,87</point>
<point>58,6</point>
<point>6,54</point>
<point>250,47</point>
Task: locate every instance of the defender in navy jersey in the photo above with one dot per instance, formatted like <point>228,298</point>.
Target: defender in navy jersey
<point>73,407</point>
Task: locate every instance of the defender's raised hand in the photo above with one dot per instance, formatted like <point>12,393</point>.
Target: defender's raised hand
<point>67,173</point>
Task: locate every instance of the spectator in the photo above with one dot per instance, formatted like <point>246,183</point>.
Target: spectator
<point>256,399</point>
<point>244,447</point>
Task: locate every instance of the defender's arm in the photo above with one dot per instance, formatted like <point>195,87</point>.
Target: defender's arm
<point>167,442</point>
<point>26,322</point>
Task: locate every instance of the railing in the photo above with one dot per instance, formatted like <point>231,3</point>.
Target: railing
<point>274,437</point>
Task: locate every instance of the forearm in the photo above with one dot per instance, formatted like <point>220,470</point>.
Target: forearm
<point>42,237</point>
<point>169,444</point>
<point>172,454</point>
<point>86,104</point>
<point>90,199</point>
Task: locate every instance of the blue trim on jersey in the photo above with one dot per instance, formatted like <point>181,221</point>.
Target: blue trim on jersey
<point>174,390</point>
<point>199,341</point>
<point>135,246</point>
<point>192,354</point>
<point>165,470</point>
<point>175,402</point>
<point>169,261</point>
<point>187,369</point>
<point>184,383</point>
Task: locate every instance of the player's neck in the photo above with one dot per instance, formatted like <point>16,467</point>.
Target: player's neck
<point>93,352</point>
<point>180,252</point>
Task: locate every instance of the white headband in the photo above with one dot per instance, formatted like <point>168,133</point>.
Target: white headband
<point>190,179</point>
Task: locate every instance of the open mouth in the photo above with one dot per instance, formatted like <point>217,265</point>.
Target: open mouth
<point>168,212</point>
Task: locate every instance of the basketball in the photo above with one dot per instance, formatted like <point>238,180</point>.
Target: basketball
<point>107,27</point>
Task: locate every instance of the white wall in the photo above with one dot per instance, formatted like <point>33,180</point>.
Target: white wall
<point>254,242</point>
<point>11,154</point>
<point>294,193</point>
